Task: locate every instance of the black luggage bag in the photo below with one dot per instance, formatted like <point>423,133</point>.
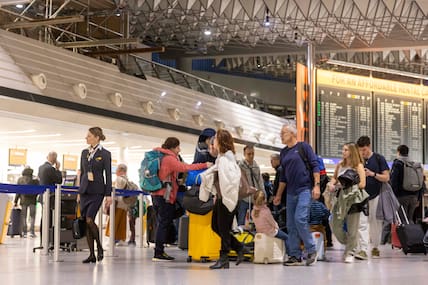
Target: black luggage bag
<point>14,228</point>
<point>183,233</point>
<point>410,235</point>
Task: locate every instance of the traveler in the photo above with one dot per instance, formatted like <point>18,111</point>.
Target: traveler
<point>252,171</point>
<point>164,199</point>
<point>296,179</point>
<point>27,202</point>
<point>376,172</point>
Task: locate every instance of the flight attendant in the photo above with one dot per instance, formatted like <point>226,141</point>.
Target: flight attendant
<point>95,184</point>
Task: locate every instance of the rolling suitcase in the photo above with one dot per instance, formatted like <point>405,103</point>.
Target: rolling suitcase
<point>268,249</point>
<point>183,233</point>
<point>410,235</point>
<point>246,238</point>
<point>395,241</point>
<point>318,238</point>
<point>204,243</point>
<point>14,228</point>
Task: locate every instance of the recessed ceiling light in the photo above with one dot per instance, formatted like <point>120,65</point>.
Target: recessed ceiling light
<point>163,93</point>
<point>198,104</point>
<point>207,32</point>
<point>19,6</point>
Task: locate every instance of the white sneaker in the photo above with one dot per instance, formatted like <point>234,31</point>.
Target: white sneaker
<point>348,259</point>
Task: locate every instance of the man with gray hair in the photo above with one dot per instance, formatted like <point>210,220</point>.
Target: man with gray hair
<point>49,173</point>
<point>296,178</point>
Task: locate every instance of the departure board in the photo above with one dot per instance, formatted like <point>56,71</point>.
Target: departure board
<point>398,121</point>
<point>342,116</point>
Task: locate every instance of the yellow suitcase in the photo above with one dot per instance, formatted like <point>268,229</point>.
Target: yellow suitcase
<point>204,243</point>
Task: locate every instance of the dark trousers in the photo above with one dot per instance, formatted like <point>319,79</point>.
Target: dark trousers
<point>165,213</point>
<point>221,224</point>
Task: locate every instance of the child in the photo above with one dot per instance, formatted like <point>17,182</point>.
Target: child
<point>263,219</point>
<point>318,214</point>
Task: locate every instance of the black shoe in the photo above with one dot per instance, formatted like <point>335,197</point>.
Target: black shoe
<point>100,254</point>
<point>241,256</point>
<point>222,262</point>
<point>293,261</point>
<point>162,257</point>
<point>90,259</point>
<point>312,258</point>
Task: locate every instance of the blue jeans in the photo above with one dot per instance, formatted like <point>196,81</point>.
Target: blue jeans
<point>242,212</point>
<point>282,235</point>
<point>298,208</point>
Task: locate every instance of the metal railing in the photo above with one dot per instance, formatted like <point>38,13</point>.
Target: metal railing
<point>140,67</point>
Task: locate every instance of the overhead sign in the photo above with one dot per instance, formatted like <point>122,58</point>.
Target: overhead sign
<point>69,162</point>
<point>17,157</point>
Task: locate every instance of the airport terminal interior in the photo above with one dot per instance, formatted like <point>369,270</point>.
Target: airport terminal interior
<point>145,70</point>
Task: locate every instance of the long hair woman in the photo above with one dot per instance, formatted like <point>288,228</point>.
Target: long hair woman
<point>226,202</point>
<point>351,159</point>
<point>95,184</point>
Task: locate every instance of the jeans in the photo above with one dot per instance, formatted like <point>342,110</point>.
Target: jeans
<point>165,213</point>
<point>25,208</point>
<point>282,235</point>
<point>242,212</point>
<point>298,207</point>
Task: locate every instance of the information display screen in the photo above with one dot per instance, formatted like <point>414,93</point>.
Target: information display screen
<point>342,116</point>
<point>398,121</point>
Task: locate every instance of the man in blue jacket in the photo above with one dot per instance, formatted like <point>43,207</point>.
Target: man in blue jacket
<point>297,179</point>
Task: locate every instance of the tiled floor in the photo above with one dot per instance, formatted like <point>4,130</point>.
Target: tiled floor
<point>133,265</point>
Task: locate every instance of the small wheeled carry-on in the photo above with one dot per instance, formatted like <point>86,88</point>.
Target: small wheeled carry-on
<point>268,249</point>
<point>204,243</point>
<point>183,233</point>
<point>410,235</point>
<point>318,238</point>
<point>14,228</point>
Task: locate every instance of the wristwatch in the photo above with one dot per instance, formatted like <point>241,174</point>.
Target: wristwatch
<point>318,184</point>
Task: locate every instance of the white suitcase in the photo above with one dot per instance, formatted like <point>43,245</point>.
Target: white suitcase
<point>319,244</point>
<point>268,249</point>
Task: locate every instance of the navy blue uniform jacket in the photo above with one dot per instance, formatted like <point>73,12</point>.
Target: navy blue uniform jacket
<point>101,165</point>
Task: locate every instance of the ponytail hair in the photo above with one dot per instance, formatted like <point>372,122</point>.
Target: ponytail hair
<point>259,200</point>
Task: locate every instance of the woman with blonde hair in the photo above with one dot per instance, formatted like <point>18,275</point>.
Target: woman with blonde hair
<point>343,210</point>
<point>263,219</point>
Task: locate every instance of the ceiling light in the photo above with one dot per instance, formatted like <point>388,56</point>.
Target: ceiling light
<point>34,136</point>
<point>198,119</point>
<point>219,124</point>
<point>19,6</point>
<point>198,104</point>
<point>117,99</point>
<point>239,131</point>
<point>174,113</point>
<point>39,80</point>
<point>163,93</point>
<point>267,22</point>
<point>148,107</point>
<point>207,32</point>
<point>80,90</point>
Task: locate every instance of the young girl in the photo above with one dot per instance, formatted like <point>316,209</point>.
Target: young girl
<point>264,220</point>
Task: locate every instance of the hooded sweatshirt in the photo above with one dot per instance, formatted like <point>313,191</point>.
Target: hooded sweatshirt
<point>169,169</point>
<point>27,179</point>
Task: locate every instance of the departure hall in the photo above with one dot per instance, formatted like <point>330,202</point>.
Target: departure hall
<point>147,70</point>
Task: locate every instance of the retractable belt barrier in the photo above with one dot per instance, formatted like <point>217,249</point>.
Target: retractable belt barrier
<point>62,189</point>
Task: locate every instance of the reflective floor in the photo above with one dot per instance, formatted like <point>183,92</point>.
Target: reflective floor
<point>133,265</point>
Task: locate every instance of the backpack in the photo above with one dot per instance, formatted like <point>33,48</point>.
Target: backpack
<point>324,179</point>
<point>148,172</point>
<point>413,176</point>
<point>130,200</point>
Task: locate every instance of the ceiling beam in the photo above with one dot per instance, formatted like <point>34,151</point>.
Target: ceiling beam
<point>44,22</point>
<point>82,44</point>
<point>126,51</point>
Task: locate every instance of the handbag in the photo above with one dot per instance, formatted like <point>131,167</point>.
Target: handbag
<point>79,228</point>
<point>245,189</point>
<point>192,203</point>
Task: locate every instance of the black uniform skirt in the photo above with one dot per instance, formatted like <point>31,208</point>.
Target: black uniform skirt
<point>90,204</point>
